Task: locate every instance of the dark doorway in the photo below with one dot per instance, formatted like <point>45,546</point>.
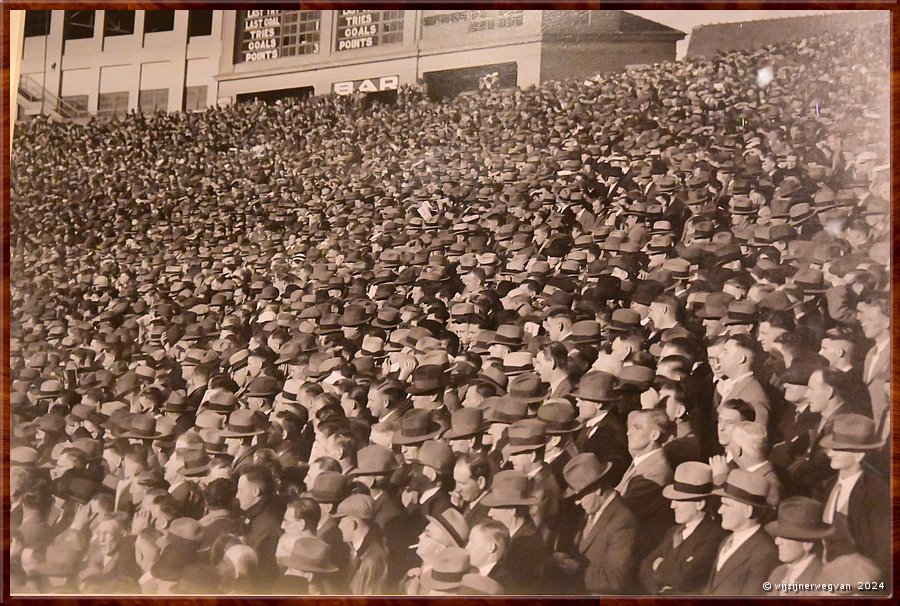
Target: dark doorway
<point>271,96</point>
<point>384,97</point>
<point>449,83</point>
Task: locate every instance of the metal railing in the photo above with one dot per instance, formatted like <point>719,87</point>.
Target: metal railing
<point>32,90</point>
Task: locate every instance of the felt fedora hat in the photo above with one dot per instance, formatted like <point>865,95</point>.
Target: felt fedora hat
<point>375,460</point>
<point>852,432</point>
<point>560,416</point>
<point>509,488</point>
<point>329,487</point>
<point>466,423</point>
<point>416,426</point>
<point>525,436</point>
<point>692,481</point>
<point>583,472</point>
<point>311,554</point>
<point>745,486</point>
<point>800,519</point>
<point>597,386</point>
<point>448,569</point>
<point>244,423</point>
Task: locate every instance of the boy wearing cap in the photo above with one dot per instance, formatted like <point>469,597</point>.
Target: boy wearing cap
<point>681,562</point>
<point>368,566</point>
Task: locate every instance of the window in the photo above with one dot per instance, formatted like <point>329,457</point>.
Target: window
<point>154,100</point>
<point>78,25</point>
<point>391,27</point>
<point>199,23</point>
<point>37,23</point>
<point>112,104</point>
<point>159,21</point>
<point>300,32</point>
<point>194,98</point>
<point>480,21</point>
<point>77,104</point>
<point>118,23</point>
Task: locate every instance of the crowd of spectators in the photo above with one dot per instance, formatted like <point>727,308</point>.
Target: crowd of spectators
<point>626,335</point>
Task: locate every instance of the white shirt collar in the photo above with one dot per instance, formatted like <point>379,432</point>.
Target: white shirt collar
<point>755,467</point>
<point>486,569</point>
<point>690,527</point>
<point>641,458</point>
<point>741,536</point>
<point>596,420</point>
<point>428,494</point>
<point>797,568</point>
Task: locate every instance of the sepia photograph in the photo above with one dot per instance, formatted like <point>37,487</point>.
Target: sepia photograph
<point>450,303</point>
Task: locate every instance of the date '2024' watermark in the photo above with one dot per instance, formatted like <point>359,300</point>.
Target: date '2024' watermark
<point>818,588</point>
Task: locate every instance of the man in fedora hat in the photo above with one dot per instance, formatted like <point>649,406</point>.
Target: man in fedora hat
<point>748,555</point>
<point>525,452</point>
<point>377,467</point>
<point>509,501</point>
<point>856,500</point>
<point>445,530</point>
<point>680,563</point>
<point>311,560</point>
<point>798,532</point>
<point>603,434</point>
<point>602,558</point>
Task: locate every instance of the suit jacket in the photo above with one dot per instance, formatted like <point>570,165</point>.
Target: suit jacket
<point>751,391</point>
<point>122,562</point>
<point>526,559</point>
<point>607,551</point>
<point>794,429</point>
<point>263,532</point>
<point>642,493</point>
<point>809,575</point>
<point>876,372</point>
<point>683,569</point>
<point>369,568</point>
<point>608,441</point>
<point>747,568</point>
<point>869,517</point>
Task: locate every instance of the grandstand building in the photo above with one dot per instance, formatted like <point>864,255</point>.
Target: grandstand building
<point>77,62</point>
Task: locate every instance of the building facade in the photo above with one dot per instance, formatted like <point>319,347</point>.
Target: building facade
<point>109,62</point>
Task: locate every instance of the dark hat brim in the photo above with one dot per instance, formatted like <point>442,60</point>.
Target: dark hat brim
<point>794,533</point>
<point>572,493</point>
<point>492,500</point>
<point>829,442</point>
<point>757,502</point>
<point>402,440</point>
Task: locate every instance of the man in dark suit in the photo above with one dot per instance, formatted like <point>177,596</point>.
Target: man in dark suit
<point>641,486</point>
<point>798,532</point>
<point>256,497</point>
<point>488,545</point>
<point>111,553</point>
<point>681,562</point>
<point>602,561</point>
<point>510,499</point>
<point>748,555</point>
<point>858,499</point>
<point>603,433</point>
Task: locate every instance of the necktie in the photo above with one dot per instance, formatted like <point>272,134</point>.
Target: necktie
<point>828,516</point>
<point>623,485</point>
<point>678,537</point>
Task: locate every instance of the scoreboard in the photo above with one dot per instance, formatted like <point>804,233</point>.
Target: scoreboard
<point>261,35</point>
